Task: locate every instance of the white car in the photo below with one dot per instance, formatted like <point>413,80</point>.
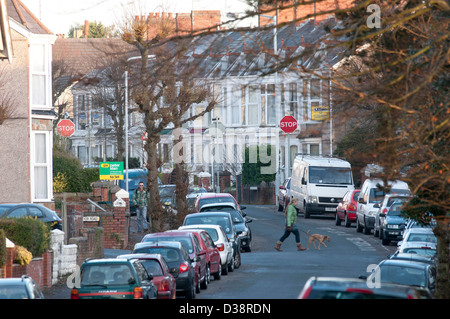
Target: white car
<point>418,247</point>
<point>221,241</point>
<point>419,235</point>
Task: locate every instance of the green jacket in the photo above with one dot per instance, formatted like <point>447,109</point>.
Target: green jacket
<point>140,199</point>
<point>291,216</point>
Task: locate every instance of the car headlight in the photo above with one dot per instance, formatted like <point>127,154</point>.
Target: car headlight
<point>312,199</point>
<point>244,233</point>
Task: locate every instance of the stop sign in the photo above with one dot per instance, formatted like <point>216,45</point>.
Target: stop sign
<point>288,124</point>
<point>65,128</point>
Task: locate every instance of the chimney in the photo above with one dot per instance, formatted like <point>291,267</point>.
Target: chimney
<point>86,28</point>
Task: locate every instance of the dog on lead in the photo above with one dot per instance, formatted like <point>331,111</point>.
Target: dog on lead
<point>317,237</point>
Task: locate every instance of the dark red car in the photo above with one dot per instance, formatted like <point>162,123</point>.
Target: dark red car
<point>214,266</point>
<point>162,278</point>
<point>346,209</point>
<point>193,248</point>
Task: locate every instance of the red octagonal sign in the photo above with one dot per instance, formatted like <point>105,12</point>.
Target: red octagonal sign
<point>65,128</point>
<point>288,124</point>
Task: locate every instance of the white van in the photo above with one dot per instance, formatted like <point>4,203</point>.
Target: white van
<point>369,201</point>
<point>319,183</point>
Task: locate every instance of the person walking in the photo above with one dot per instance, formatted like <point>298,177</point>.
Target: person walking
<point>291,226</point>
<point>140,200</point>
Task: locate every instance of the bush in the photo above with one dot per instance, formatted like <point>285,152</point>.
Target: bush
<point>32,234</point>
<point>22,256</point>
<point>2,248</point>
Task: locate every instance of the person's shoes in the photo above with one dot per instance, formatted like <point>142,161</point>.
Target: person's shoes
<point>299,247</point>
<point>278,246</point>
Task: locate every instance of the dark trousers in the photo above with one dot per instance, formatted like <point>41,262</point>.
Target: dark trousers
<point>288,232</point>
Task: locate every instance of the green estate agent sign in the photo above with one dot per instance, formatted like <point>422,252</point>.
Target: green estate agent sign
<point>111,170</point>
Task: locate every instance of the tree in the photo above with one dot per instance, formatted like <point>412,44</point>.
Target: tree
<point>164,88</point>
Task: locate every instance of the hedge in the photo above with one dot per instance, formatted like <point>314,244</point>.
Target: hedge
<point>32,234</point>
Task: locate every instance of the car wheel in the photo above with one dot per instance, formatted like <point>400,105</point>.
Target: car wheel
<point>338,220</point>
<point>231,265</point>
<point>204,284</point>
<point>237,261</point>
<point>225,270</point>
<point>347,221</point>
<point>191,293</point>
<point>306,212</point>
<point>365,228</point>
<point>197,286</point>
<point>376,231</point>
<point>218,274</point>
<point>358,226</point>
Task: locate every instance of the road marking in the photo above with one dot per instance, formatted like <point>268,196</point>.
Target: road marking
<point>361,244</point>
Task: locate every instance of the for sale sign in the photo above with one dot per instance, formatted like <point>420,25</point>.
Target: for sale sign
<point>111,170</point>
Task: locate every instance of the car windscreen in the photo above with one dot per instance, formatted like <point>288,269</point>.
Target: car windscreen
<point>106,275</point>
<point>210,219</point>
<point>152,266</point>
<point>168,253</point>
<point>403,275</point>
<point>330,175</point>
<point>215,200</point>
<point>13,292</point>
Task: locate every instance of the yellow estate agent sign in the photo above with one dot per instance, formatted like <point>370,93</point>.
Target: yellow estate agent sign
<point>111,170</point>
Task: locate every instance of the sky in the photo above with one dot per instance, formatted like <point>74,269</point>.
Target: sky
<point>60,15</point>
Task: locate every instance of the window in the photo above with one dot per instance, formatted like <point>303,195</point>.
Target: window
<point>293,101</point>
<point>315,89</point>
<point>252,105</point>
<point>268,114</point>
<point>224,106</point>
<point>40,76</point>
<point>235,114</point>
<point>42,166</point>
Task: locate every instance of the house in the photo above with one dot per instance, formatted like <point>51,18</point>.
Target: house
<point>26,134</point>
<point>252,102</point>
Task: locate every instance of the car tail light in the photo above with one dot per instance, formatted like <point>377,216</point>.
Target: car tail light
<point>74,294</point>
<point>359,290</point>
<point>352,207</point>
<point>221,247</point>
<point>164,286</point>
<point>138,293</point>
<point>184,267</point>
<point>305,293</point>
<point>384,211</point>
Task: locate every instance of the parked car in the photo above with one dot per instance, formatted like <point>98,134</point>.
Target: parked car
<point>417,247</point>
<point>414,257</point>
<point>223,219</point>
<point>20,288</point>
<point>37,211</point>
<point>425,235</point>
<point>192,246</point>
<point>405,272</point>
<point>177,258</point>
<point>156,266</point>
<point>388,201</point>
<point>114,279</point>
<point>239,220</point>
<point>351,288</point>
<point>221,241</point>
<point>346,209</point>
<point>392,223</point>
<point>284,194</point>
<point>213,264</point>
<point>166,193</point>
<point>372,193</point>
<point>191,198</point>
<point>212,198</point>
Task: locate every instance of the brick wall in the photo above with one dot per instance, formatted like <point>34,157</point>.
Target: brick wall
<point>40,269</point>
